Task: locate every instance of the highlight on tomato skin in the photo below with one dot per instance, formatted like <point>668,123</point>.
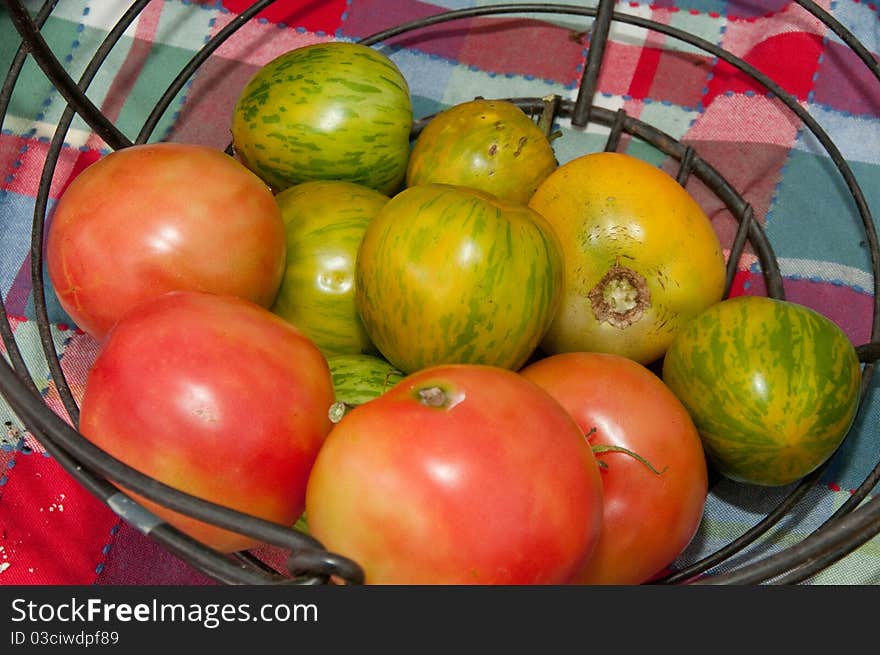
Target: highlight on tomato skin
<point>653,468</point>
<point>459,474</point>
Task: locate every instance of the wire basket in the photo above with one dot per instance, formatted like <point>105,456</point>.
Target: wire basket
<point>839,534</point>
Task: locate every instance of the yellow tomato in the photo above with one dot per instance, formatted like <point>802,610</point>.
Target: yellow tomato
<point>641,256</point>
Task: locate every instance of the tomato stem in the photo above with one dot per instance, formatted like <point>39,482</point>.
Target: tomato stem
<point>301,524</point>
<point>545,122</point>
<point>338,410</point>
<point>605,448</point>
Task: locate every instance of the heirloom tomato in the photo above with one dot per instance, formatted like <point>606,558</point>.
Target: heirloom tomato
<point>160,217</point>
<point>653,470</point>
<point>447,275</point>
<point>491,145</point>
<point>773,387</point>
<point>359,378</point>
<point>325,222</point>
<point>459,474</point>
<point>217,397</point>
<point>641,256</point>
<point>326,111</point>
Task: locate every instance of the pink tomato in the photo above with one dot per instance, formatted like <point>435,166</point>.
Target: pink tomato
<point>162,217</point>
<point>654,497</point>
<point>217,397</point>
<point>459,474</point>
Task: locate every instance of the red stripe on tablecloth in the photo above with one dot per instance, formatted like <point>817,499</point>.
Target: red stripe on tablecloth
<point>789,59</point>
<point>646,69</point>
<point>325,16</point>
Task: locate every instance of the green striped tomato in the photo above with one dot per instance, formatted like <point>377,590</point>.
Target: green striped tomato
<point>325,222</point>
<point>448,274</point>
<point>490,145</point>
<point>333,110</point>
<point>358,379</point>
<point>772,386</point>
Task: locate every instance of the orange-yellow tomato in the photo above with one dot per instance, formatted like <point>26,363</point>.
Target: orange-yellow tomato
<point>641,256</point>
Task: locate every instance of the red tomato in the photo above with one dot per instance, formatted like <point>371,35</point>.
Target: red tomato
<point>215,396</point>
<point>649,517</point>
<point>161,217</point>
<point>460,474</point>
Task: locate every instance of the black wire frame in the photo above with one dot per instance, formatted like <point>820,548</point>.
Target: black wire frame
<point>849,527</point>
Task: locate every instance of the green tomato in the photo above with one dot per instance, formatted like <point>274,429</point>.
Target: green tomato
<point>357,379</point>
<point>324,223</point>
<point>326,111</point>
<point>772,386</point>
<point>491,145</point>
<point>448,274</point>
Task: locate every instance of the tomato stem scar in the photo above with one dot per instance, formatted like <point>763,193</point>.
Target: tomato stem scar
<point>433,397</point>
<point>436,396</point>
<point>620,297</point>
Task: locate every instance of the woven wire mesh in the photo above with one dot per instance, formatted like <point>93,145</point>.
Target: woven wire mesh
<point>850,526</point>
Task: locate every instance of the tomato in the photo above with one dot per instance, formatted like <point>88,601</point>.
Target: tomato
<point>654,497</point>
<point>325,222</point>
<point>326,111</point>
<point>460,474</point>
<point>356,379</point>
<point>491,145</point>
<point>217,397</point>
<point>149,219</point>
<point>641,256</point>
<point>359,378</point>
<point>773,387</point>
<point>448,274</point>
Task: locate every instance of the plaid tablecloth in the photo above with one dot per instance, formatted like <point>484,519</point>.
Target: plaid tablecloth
<point>55,532</point>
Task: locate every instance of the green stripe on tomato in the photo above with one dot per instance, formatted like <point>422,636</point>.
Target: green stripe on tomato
<point>773,386</point>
